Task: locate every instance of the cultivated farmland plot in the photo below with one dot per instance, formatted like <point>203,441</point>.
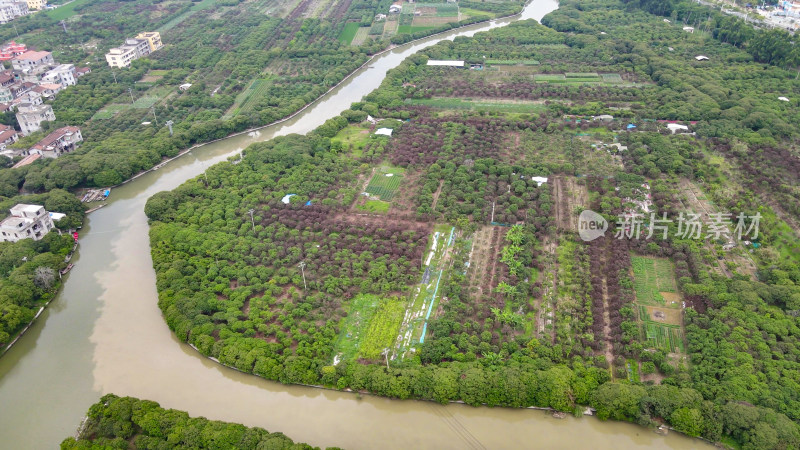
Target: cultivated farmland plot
<point>385,182</point>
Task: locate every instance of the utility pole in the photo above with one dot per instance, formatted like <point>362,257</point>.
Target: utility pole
<point>130,91</point>
<point>154,114</point>
<point>302,266</point>
<point>386,354</point>
<point>115,76</point>
<point>63,24</point>
<point>251,211</point>
<point>169,125</point>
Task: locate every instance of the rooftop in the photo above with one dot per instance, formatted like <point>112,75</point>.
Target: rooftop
<point>32,55</point>
<point>54,136</point>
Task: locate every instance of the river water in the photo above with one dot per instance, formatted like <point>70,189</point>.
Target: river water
<point>104,333</point>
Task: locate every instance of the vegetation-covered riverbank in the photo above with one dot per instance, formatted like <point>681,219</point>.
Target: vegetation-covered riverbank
<point>127,423</point>
<point>440,253</point>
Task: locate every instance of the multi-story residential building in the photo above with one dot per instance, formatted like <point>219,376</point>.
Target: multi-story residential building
<point>18,89</point>
<point>121,56</point>
<point>10,10</point>
<point>63,140</point>
<point>132,49</point>
<point>26,222</point>
<point>63,74</point>
<point>33,62</point>
<point>31,97</point>
<point>36,5</point>
<point>11,50</point>
<point>30,117</point>
<point>153,39</point>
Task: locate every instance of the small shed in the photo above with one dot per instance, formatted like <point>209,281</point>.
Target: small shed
<point>395,8</point>
<point>185,86</point>
<point>604,117</point>
<point>384,132</point>
<point>701,58</point>
<point>783,99</point>
<point>688,29</point>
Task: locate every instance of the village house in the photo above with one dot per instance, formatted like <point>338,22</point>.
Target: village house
<point>26,222</point>
<point>63,140</point>
<point>63,74</point>
<point>8,136</point>
<point>47,90</point>
<point>36,5</point>
<point>30,117</point>
<point>133,49</point>
<point>153,39</point>
<point>33,62</point>
<point>5,95</point>
<point>81,71</point>
<point>30,97</point>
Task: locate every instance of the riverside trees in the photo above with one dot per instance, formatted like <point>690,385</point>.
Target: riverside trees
<point>234,289</point>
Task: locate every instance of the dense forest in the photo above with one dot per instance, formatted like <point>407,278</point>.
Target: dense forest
<point>441,251</point>
<point>129,423</point>
<point>29,270</point>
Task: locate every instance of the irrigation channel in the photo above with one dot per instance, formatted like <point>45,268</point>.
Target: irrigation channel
<point>104,333</point>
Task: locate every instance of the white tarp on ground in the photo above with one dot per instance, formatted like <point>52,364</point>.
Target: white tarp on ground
<point>675,127</point>
<point>783,99</point>
<point>434,62</point>
<point>287,198</point>
<point>384,131</point>
<point>539,180</point>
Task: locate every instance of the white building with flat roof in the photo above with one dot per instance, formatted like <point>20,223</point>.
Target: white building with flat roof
<point>26,222</point>
<point>30,117</point>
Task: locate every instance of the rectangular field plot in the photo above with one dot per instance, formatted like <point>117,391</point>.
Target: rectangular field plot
<point>666,337</point>
<point>385,182</point>
<point>348,33</point>
<point>612,78</point>
<point>372,325</point>
<point>654,282</point>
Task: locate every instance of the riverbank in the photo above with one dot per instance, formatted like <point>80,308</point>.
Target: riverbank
<point>371,59</point>
<point>8,346</point>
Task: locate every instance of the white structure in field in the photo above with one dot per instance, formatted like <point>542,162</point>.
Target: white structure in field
<point>434,62</point>
<point>26,222</point>
<point>384,132</point>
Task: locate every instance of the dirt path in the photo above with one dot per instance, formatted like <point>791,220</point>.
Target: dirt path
<point>437,194</point>
<point>609,348</point>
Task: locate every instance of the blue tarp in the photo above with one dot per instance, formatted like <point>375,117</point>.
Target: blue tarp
<point>105,194</point>
<point>631,126</point>
<point>308,203</point>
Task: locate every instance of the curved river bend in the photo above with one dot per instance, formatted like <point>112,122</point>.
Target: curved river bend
<point>104,333</point>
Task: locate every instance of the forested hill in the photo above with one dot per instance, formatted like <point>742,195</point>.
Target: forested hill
<point>450,251</point>
<point>129,423</point>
